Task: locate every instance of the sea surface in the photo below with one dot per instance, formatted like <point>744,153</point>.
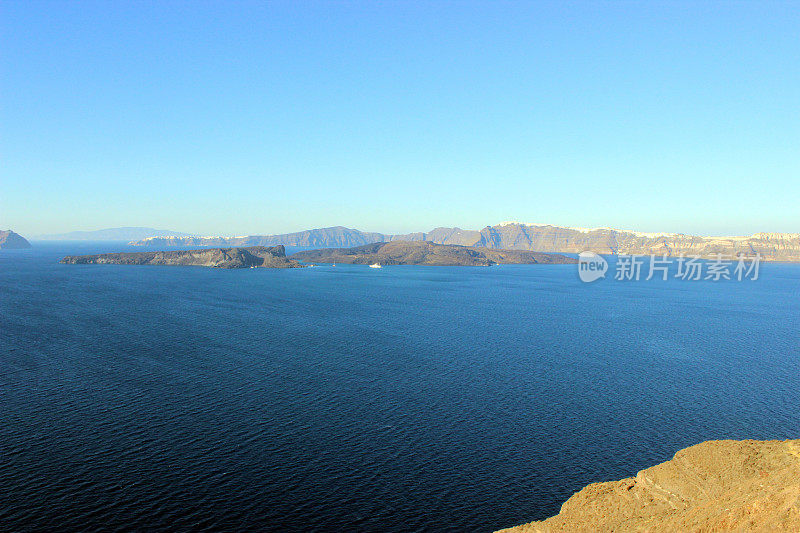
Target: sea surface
<point>354,399</point>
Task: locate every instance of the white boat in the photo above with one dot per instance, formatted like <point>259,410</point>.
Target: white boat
<point>375,265</point>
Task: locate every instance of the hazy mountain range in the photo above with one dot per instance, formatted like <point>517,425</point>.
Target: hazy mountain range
<point>519,236</point>
<point>110,234</point>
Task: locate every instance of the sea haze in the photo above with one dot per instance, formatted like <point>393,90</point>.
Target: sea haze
<point>357,399</point>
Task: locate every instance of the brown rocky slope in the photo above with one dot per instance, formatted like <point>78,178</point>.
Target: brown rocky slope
<point>723,485</point>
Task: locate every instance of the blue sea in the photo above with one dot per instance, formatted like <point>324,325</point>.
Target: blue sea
<point>354,399</point>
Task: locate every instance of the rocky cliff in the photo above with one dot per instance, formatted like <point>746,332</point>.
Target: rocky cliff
<point>515,236</point>
<point>258,256</point>
<point>531,237</point>
<point>426,253</point>
<point>9,240</point>
<point>721,485</point>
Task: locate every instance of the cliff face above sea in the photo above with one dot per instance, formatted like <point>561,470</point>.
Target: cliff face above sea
<point>720,486</point>
<point>427,253</point>
<point>771,246</point>
<point>258,256</point>
<point>529,237</point>
<point>10,240</point>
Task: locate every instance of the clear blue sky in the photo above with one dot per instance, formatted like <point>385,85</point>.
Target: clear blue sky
<point>242,118</point>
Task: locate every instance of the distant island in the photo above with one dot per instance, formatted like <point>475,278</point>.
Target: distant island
<point>257,256</point>
<point>529,237</point>
<point>395,253</point>
<point>723,485</point>
<point>10,240</point>
<point>111,234</point>
<point>427,253</point>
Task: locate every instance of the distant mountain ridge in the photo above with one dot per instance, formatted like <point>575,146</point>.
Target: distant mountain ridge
<point>111,234</point>
<point>531,237</point>
<point>334,237</point>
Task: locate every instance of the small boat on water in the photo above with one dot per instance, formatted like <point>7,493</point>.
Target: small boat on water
<point>375,265</point>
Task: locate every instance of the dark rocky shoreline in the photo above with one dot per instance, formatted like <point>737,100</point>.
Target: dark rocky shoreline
<point>428,253</point>
<point>253,257</point>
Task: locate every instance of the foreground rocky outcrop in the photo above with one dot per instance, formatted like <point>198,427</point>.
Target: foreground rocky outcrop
<point>257,256</point>
<point>10,240</point>
<point>721,485</point>
<point>427,253</point>
<point>531,237</point>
